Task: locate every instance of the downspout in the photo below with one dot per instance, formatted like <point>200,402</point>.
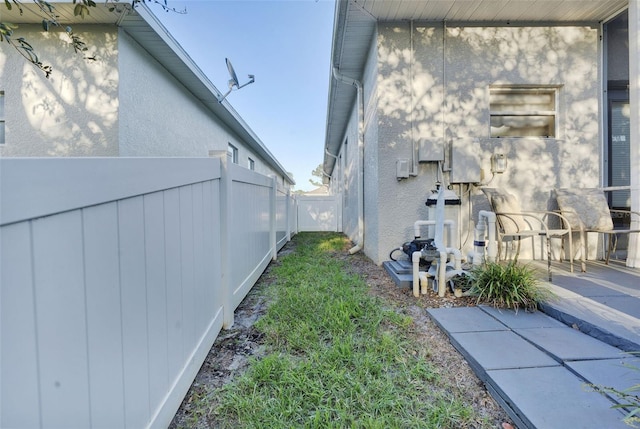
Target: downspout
<point>324,173</point>
<point>360,101</point>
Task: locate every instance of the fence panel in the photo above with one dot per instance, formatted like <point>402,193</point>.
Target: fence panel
<point>319,213</point>
<point>110,273</point>
<point>112,281</point>
<point>20,388</point>
<point>282,198</point>
<point>250,244</point>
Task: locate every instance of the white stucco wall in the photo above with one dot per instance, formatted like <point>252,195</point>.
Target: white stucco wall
<point>371,155</point>
<point>124,103</point>
<point>158,116</point>
<point>410,106</point>
<point>347,173</point>
<point>75,111</point>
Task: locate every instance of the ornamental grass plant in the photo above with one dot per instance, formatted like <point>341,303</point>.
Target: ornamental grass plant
<point>508,285</point>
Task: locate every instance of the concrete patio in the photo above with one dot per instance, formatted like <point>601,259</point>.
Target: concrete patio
<point>538,366</point>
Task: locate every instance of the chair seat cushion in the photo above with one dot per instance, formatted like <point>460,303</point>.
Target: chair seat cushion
<point>585,208</point>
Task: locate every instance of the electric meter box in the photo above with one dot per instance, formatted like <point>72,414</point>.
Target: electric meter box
<point>465,161</point>
<point>430,151</point>
<point>451,212</point>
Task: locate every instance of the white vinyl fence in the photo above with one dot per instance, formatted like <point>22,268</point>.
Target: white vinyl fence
<point>319,213</point>
<point>116,277</point>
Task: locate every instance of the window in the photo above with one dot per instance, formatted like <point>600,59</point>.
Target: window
<point>251,164</point>
<point>523,111</point>
<point>232,153</point>
<point>2,117</point>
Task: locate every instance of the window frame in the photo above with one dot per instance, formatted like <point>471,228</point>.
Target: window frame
<point>232,153</point>
<point>251,164</point>
<point>524,112</point>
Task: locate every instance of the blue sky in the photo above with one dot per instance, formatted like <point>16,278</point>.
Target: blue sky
<point>286,44</point>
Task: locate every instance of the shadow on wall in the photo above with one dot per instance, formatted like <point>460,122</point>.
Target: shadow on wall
<point>439,91</point>
<point>75,111</point>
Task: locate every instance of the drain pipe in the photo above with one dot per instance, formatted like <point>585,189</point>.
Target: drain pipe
<point>438,241</point>
<point>486,221</point>
<point>360,100</point>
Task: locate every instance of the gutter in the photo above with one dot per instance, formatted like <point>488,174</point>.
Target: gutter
<point>360,101</point>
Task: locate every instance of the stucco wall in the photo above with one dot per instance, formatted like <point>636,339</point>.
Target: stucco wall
<point>75,111</point>
<point>371,189</point>
<point>160,117</point>
<point>122,103</point>
<point>410,107</point>
<point>347,174</point>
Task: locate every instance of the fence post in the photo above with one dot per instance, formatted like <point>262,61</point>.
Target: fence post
<point>273,194</point>
<point>288,210</point>
<point>226,214</point>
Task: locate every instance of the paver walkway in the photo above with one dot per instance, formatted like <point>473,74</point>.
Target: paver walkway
<point>538,368</point>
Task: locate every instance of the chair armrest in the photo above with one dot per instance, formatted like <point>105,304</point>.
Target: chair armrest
<point>565,220</point>
<point>527,214</point>
<point>559,215</point>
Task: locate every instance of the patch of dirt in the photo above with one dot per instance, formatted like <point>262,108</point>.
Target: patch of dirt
<point>229,356</point>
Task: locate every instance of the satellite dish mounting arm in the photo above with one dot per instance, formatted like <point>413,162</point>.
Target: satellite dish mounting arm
<point>234,81</point>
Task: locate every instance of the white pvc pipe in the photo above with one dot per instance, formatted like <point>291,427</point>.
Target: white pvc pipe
<point>479,234</point>
<point>457,255</point>
<point>424,282</point>
<point>415,259</point>
<point>442,250</point>
<point>442,274</point>
<point>447,222</point>
<point>490,219</point>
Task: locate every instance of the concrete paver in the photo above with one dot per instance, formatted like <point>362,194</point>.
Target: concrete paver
<point>515,320</point>
<point>537,368</point>
<point>500,350</point>
<point>465,319</point>
<point>554,398</point>
<point>614,373</point>
<point>569,344</point>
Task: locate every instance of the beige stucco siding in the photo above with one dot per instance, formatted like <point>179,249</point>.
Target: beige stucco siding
<point>448,79</point>
<point>566,57</point>
<point>75,111</point>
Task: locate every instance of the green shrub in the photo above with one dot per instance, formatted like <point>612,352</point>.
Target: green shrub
<point>508,285</point>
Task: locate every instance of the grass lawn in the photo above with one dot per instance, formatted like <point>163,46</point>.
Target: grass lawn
<point>335,356</point>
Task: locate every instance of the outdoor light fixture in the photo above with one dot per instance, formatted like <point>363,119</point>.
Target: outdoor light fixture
<point>234,80</point>
<point>498,163</point>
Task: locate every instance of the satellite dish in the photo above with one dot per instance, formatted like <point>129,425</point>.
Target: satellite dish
<point>234,80</point>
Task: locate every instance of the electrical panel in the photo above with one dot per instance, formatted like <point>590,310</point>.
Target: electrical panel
<point>465,161</point>
<point>402,169</point>
<point>430,150</point>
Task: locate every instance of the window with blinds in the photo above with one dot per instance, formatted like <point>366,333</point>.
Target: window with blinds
<point>523,111</point>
